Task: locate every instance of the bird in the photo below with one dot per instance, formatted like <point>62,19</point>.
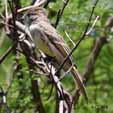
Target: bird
<point>51,43</point>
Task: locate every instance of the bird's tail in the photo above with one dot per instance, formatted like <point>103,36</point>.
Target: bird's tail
<point>79,81</point>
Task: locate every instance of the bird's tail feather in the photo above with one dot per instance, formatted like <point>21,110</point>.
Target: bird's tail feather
<point>79,81</point>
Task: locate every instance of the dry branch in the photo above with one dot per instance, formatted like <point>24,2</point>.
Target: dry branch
<point>82,38</point>
<point>60,12</point>
<point>99,43</point>
<point>64,99</point>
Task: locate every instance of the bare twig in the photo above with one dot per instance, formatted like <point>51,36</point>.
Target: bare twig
<point>82,37</point>
<point>37,96</point>
<point>70,39</point>
<point>2,38</point>
<point>100,42</point>
<point>6,8</point>
<point>3,100</point>
<point>14,15</point>
<point>6,15</point>
<point>40,4</point>
<point>64,99</point>
<point>93,25</point>
<point>60,12</point>
<point>2,16</point>
<point>10,49</point>
<point>35,89</point>
<point>6,24</point>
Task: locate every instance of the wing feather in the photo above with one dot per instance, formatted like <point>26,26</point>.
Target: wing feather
<point>54,37</point>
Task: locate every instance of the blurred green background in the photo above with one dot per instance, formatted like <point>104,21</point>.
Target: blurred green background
<point>73,21</point>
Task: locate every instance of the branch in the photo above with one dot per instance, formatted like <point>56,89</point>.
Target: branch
<point>64,99</point>
<point>3,100</point>
<point>100,42</point>
<point>35,86</point>
<point>37,96</point>
<point>70,39</point>
<point>82,37</point>
<point>60,12</point>
<point>10,49</point>
<point>93,25</point>
<point>40,4</point>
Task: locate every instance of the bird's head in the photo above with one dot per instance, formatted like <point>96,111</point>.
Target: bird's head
<point>34,15</point>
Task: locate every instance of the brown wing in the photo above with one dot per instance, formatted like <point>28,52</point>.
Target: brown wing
<point>54,37</point>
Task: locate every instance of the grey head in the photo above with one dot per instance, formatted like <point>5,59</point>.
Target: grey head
<point>34,15</point>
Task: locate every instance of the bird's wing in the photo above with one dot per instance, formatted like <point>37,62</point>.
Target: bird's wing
<point>54,37</point>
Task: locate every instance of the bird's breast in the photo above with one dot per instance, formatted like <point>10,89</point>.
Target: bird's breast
<point>44,47</point>
<point>41,41</point>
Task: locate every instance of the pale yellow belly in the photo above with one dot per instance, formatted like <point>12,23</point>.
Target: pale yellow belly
<point>43,47</point>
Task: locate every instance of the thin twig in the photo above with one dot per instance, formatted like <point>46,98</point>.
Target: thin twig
<point>36,92</point>
<point>60,12</point>
<point>8,25</point>
<point>30,7</point>
<point>100,42</point>
<point>6,15</point>
<point>3,95</point>
<point>2,38</point>
<point>6,9</point>
<point>9,50</point>
<point>70,39</point>
<point>39,2</point>
<point>14,15</point>
<point>82,37</point>
<point>93,25</point>
<point>2,16</point>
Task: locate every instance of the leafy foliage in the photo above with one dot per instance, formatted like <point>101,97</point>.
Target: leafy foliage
<point>73,21</point>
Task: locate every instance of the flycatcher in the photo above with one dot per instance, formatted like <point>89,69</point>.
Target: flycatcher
<point>50,42</point>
